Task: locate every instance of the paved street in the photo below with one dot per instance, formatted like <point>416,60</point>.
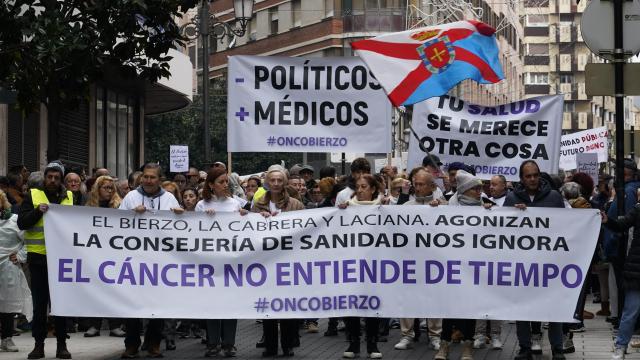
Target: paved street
<point>595,343</point>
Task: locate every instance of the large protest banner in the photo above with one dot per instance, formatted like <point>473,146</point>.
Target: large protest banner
<point>280,104</point>
<point>387,261</point>
<point>494,140</point>
<point>582,142</point>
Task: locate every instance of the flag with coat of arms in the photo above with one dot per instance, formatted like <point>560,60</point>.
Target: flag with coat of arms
<point>418,64</point>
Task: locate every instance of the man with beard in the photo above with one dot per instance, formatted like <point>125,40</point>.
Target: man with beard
<point>34,206</point>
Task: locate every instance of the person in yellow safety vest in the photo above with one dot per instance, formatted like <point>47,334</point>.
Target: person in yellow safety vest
<point>30,218</point>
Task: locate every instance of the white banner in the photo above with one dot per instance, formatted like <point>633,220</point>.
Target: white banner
<point>387,261</point>
<point>588,141</point>
<point>284,104</point>
<point>178,158</point>
<point>494,140</point>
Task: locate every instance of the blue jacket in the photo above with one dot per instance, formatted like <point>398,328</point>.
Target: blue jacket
<point>610,242</point>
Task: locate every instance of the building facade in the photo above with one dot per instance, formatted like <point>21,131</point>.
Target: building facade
<point>106,130</point>
<point>322,28</point>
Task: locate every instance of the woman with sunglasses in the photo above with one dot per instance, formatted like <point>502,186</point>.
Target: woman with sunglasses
<point>217,198</point>
<point>105,195</point>
<point>367,192</point>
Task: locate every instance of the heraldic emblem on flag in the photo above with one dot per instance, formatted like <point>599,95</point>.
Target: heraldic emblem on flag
<point>415,65</point>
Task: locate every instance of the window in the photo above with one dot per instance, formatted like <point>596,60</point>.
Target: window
<point>537,49</point>
<point>541,20</point>
<point>100,127</point>
<point>273,20</point>
<point>328,8</point>
<point>569,106</point>
<point>252,29</point>
<point>112,131</point>
<point>115,131</point>
<point>565,32</point>
<point>538,79</point>
<point>357,7</point>
<point>566,79</point>
<point>296,13</point>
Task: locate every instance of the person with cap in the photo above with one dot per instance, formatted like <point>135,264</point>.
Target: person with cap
<point>31,219</point>
<point>295,169</point>
<point>452,170</point>
<point>306,173</point>
<point>275,201</point>
<point>535,191</point>
<point>433,164</point>
<point>149,196</point>
<point>359,167</point>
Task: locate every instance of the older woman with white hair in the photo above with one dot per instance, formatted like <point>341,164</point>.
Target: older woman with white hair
<point>275,201</point>
<point>15,297</point>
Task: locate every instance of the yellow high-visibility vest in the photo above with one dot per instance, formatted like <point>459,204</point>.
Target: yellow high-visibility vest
<point>34,237</point>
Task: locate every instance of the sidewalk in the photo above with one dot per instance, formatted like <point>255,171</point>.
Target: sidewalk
<point>594,344</point>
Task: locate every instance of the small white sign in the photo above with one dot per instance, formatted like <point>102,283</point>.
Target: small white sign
<point>178,158</point>
<point>588,163</point>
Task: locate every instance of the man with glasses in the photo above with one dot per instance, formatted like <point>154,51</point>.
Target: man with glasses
<point>534,191</point>
<point>193,177</point>
<point>149,196</point>
<point>181,181</point>
<point>31,219</point>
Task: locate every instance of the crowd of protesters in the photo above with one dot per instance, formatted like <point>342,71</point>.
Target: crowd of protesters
<point>614,278</point>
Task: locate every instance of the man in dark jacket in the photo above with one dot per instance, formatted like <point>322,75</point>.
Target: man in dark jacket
<point>30,218</point>
<point>533,191</point>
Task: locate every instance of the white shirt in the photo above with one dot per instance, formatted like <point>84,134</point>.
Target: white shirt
<point>226,204</point>
<point>134,198</point>
<point>499,201</point>
<point>344,195</point>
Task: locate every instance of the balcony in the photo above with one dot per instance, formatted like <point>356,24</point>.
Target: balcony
<point>536,31</point>
<point>378,21</point>
<point>536,89</point>
<point>536,60</point>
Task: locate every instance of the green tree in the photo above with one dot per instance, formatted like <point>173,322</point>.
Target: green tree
<point>51,51</point>
<point>185,127</point>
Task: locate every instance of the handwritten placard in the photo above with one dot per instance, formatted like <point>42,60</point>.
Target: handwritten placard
<point>178,158</point>
<point>588,163</point>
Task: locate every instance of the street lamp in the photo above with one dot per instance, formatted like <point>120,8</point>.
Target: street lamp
<point>201,25</point>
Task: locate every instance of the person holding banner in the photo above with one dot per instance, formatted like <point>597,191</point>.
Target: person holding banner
<point>468,193</point>
<point>424,193</point>
<point>275,201</point>
<point>149,196</point>
<point>367,191</point>
<point>534,191</point>
<point>31,219</point>
<point>104,195</point>
<point>217,198</point>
